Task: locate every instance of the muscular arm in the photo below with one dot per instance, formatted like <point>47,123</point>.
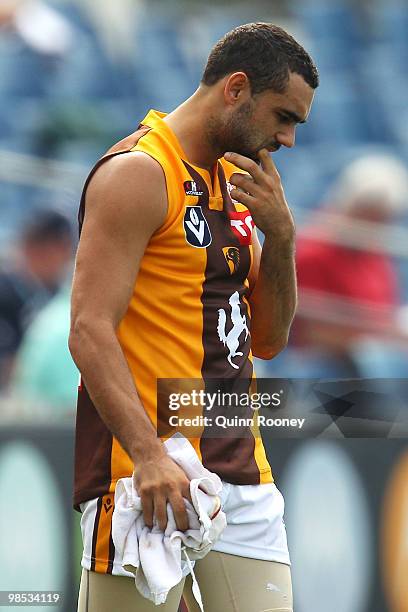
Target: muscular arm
<point>273,295</point>
<point>126,202</point>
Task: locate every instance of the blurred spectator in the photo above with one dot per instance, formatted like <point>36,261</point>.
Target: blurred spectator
<point>45,376</point>
<point>348,286</point>
<point>45,250</point>
<point>115,25</point>
<point>40,27</point>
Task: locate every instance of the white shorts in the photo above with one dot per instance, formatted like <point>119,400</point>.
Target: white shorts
<point>255,527</point>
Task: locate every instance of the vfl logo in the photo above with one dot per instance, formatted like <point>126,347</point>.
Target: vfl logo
<point>231,255</point>
<point>108,505</point>
<point>242,226</point>
<point>190,187</point>
<point>196,227</point>
<point>239,325</point>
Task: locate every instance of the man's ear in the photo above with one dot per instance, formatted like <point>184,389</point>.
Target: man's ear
<point>236,88</point>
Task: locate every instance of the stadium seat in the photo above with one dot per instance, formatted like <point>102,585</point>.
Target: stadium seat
<point>23,71</point>
<point>327,20</point>
<point>380,359</point>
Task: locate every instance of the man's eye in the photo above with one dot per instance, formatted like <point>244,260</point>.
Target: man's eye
<point>284,118</point>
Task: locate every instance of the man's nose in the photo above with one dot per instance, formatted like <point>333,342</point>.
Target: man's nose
<point>287,138</point>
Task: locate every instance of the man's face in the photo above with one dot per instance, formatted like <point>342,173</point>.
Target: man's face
<point>267,120</point>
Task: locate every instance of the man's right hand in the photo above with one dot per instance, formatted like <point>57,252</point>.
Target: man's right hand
<point>157,482</point>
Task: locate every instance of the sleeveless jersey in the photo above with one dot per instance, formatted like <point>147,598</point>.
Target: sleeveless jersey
<point>195,268</point>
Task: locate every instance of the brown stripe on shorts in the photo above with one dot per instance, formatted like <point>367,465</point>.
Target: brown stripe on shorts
<point>102,546</point>
<point>111,551</point>
<point>95,533</point>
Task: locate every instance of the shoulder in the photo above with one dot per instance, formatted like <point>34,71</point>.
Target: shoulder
<point>129,170</point>
<point>131,183</point>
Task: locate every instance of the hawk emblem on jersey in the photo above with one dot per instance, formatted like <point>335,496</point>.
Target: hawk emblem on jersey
<point>231,255</point>
<point>230,188</point>
<point>190,187</point>
<point>239,325</point>
<point>196,227</point>
<point>242,226</point>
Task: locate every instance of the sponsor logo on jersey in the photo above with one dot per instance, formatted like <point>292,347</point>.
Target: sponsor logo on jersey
<point>242,226</point>
<point>239,325</point>
<point>196,227</point>
<point>108,505</point>
<point>231,255</point>
<point>190,187</point>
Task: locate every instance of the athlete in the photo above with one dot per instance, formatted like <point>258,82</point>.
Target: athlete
<point>171,282</point>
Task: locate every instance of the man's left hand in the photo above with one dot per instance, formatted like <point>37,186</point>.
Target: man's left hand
<point>262,193</point>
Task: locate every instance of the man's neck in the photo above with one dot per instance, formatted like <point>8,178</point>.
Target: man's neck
<point>189,122</point>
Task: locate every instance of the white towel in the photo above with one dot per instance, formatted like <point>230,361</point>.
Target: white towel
<point>160,560</point>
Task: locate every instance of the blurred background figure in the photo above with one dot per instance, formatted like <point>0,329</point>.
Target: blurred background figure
<point>349,290</point>
<point>45,378</point>
<point>352,290</point>
<point>34,38</point>
<point>34,275</point>
<point>37,25</point>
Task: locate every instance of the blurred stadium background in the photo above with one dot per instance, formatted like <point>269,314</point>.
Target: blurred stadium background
<point>75,77</point>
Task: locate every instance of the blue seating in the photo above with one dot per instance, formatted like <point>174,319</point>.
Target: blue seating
<point>339,113</point>
<point>327,20</point>
<point>23,71</point>
<point>159,64</point>
<point>86,73</point>
<point>376,358</point>
<point>304,179</point>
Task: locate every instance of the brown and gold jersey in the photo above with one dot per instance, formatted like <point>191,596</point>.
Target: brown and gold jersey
<point>188,318</point>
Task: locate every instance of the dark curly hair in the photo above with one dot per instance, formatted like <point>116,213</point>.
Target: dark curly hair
<point>265,52</point>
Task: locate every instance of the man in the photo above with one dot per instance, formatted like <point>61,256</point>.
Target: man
<point>153,273</point>
<point>44,253</point>
<point>348,285</point>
